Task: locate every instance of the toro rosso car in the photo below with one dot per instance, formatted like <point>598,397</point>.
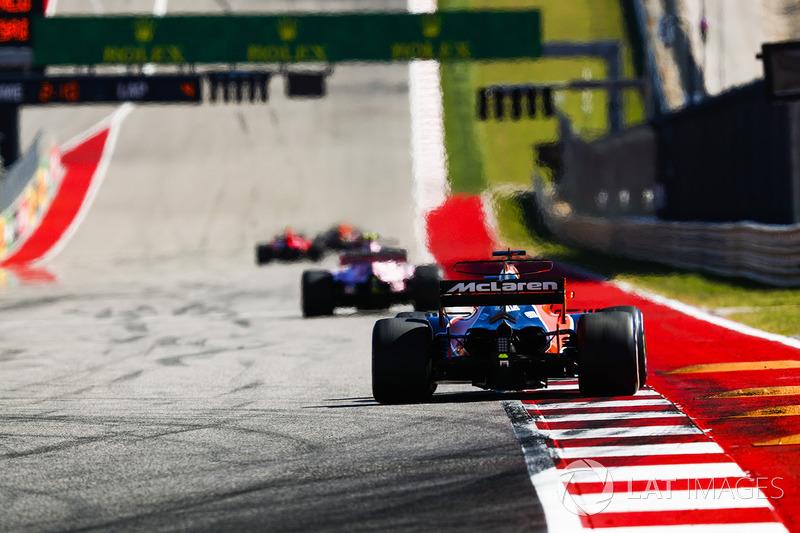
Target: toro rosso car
<point>289,246</point>
<point>510,329</point>
<point>371,278</point>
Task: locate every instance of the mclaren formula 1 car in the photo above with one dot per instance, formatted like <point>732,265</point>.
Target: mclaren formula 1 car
<point>510,329</point>
<point>373,277</point>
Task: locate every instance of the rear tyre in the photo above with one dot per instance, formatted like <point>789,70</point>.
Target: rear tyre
<point>425,287</point>
<point>263,254</point>
<point>608,364</point>
<point>641,343</point>
<point>317,296</point>
<point>401,361</point>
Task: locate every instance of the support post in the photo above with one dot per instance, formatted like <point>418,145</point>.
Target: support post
<point>9,134</point>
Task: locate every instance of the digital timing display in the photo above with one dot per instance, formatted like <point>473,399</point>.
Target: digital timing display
<point>98,89</point>
<point>15,21</point>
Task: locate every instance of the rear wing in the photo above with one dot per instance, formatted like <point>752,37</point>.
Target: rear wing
<point>366,256</point>
<point>502,292</point>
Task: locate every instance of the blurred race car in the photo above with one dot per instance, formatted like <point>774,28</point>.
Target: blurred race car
<point>373,277</point>
<point>289,246</point>
<point>508,330</point>
<point>341,237</point>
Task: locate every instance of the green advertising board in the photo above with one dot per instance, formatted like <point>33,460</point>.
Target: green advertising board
<point>460,35</point>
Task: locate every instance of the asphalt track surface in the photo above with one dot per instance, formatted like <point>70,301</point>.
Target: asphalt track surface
<point>166,383</point>
<point>211,404</point>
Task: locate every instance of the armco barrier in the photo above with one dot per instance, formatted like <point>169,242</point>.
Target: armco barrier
<point>764,253</point>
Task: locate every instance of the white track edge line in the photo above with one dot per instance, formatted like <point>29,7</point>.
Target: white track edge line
<point>428,164</point>
<point>623,432</point>
<point>667,472</point>
<point>644,402</point>
<point>639,450</point>
<point>541,468</point>
<point>622,415</point>
<point>705,316</point>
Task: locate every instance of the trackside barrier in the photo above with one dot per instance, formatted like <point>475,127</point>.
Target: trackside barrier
<point>26,192</point>
<point>768,254</point>
<point>17,177</point>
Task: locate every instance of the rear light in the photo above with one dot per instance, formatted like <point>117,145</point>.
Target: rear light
<point>503,343</point>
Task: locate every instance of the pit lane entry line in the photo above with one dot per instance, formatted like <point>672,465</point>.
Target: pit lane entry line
<point>648,468</point>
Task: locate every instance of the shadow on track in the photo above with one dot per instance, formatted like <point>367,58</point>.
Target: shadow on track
<point>458,397</point>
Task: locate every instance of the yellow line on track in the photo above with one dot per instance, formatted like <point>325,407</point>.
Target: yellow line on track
<point>737,367</point>
<point>781,410</point>
<point>758,391</point>
<point>780,441</point>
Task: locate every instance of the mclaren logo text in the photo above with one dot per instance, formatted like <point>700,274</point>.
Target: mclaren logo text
<point>503,286</point>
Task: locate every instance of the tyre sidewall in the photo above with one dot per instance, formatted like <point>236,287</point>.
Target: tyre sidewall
<point>607,354</point>
<point>641,341</point>
<point>317,293</point>
<point>401,360</point>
